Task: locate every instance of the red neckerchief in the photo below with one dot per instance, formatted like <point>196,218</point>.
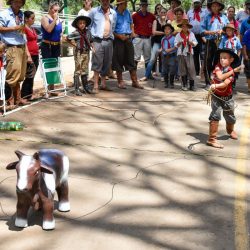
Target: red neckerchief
<point>83,40</point>
<point>1,62</point>
<point>197,14</point>
<point>230,40</point>
<point>215,16</point>
<point>185,40</point>
<point>166,39</point>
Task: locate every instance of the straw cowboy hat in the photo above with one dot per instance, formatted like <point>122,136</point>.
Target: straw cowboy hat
<point>229,25</point>
<point>85,18</point>
<point>236,61</point>
<point>8,2</point>
<point>120,1</point>
<point>209,4</point>
<point>185,22</point>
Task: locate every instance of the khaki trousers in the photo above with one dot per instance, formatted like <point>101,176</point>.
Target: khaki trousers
<point>16,63</point>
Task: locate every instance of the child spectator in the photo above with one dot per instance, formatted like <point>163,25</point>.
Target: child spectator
<point>231,41</point>
<point>185,41</point>
<point>222,95</point>
<point>246,56</point>
<point>81,39</point>
<point>168,56</point>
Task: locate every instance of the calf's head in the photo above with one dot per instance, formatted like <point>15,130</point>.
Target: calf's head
<point>28,170</point>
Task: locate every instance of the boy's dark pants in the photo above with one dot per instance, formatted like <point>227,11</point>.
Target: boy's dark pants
<point>169,68</point>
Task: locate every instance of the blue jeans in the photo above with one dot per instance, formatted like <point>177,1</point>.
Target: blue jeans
<point>154,55</point>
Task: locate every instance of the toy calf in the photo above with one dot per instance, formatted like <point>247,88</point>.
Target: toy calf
<point>38,177</point>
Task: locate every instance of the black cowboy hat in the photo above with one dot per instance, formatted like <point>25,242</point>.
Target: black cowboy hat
<point>178,1</point>
<point>209,4</point>
<point>85,18</point>
<point>168,25</point>
<point>8,2</point>
<point>236,61</point>
<point>143,2</point>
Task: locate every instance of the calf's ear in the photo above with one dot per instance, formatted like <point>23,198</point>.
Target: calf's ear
<point>46,170</point>
<point>12,165</point>
<point>19,154</point>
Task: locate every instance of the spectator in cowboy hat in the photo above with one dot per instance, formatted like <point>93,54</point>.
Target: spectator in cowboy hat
<point>82,40</point>
<point>17,54</point>
<point>123,55</point>
<point>185,41</point>
<point>211,28</point>
<point>195,17</point>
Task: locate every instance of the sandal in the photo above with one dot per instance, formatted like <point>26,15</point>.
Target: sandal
<point>95,91</point>
<point>143,79</point>
<point>121,85</point>
<point>105,88</point>
<point>137,86</point>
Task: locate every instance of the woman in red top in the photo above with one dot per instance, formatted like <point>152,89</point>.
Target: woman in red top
<point>32,65</point>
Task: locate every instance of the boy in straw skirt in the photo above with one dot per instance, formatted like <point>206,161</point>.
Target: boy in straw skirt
<point>222,95</point>
<point>185,41</point>
<point>211,28</point>
<point>82,41</point>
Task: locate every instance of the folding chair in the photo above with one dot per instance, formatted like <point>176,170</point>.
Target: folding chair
<point>2,89</point>
<point>51,73</point>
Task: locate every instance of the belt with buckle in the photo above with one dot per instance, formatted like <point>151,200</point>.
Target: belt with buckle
<point>99,40</point>
<point>15,46</point>
<point>51,42</point>
<point>224,98</point>
<point>144,37</point>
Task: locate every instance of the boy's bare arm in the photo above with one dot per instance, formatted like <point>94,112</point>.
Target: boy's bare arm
<point>222,76</point>
<point>220,85</point>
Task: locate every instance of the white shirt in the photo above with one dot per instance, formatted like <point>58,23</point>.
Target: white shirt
<point>83,12</point>
<point>184,50</point>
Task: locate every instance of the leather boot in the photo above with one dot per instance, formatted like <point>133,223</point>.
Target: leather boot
<point>166,80</point>
<point>248,83</point>
<point>10,102</point>
<point>17,96</point>
<point>172,81</point>
<point>77,85</point>
<point>52,87</point>
<point>184,83</point>
<point>212,139</point>
<point>85,85</point>
<point>191,85</point>
<point>231,132</point>
<point>134,79</point>
<point>120,81</point>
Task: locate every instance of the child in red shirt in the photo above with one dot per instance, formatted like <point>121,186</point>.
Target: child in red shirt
<point>222,96</point>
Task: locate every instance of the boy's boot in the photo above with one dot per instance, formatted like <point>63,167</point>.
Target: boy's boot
<point>248,83</point>
<point>231,132</point>
<point>184,83</point>
<point>77,85</point>
<point>191,85</point>
<point>172,81</point>
<point>166,80</point>
<point>85,85</point>
<point>212,139</point>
